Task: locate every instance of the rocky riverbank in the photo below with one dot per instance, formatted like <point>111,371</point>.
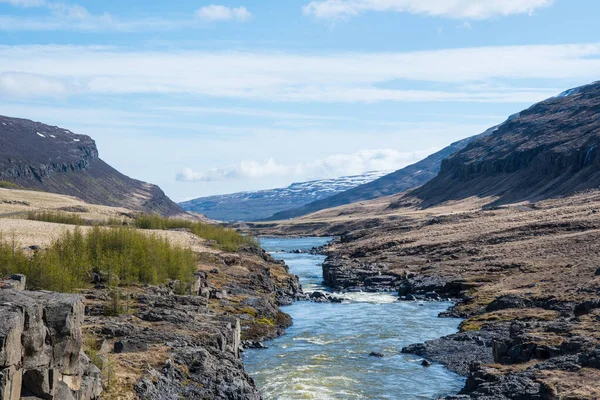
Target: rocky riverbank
<point>146,342</point>
<point>525,278</point>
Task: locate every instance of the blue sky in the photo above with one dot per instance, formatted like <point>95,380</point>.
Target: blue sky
<point>208,97</point>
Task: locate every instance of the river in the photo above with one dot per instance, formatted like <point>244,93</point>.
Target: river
<point>325,354</point>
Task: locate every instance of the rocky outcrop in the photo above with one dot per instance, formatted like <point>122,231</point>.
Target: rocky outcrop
<point>42,157</point>
<point>353,275</point>
<point>190,344</point>
<point>41,346</point>
<point>459,351</point>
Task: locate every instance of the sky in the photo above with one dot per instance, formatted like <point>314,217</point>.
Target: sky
<point>212,97</point>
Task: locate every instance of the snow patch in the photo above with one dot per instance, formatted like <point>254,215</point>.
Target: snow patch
<point>40,135</point>
<point>569,92</point>
<point>76,140</point>
<point>52,136</point>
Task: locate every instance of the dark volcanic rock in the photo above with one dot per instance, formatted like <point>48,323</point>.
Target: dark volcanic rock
<point>356,276</point>
<point>508,301</point>
<point>457,352</point>
<point>130,346</point>
<point>49,158</point>
<point>41,347</point>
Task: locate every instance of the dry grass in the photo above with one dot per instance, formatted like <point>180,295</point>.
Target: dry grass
<point>572,385</point>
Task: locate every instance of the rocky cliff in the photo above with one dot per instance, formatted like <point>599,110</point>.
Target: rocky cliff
<point>548,150</point>
<point>42,157</point>
<point>41,353</point>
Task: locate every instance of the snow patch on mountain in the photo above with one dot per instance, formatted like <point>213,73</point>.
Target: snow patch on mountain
<point>249,206</point>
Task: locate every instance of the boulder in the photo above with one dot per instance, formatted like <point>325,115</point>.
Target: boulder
<point>130,346</point>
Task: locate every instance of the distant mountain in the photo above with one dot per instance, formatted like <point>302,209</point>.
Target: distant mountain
<point>402,180</point>
<point>53,159</point>
<point>548,150</point>
<point>252,206</point>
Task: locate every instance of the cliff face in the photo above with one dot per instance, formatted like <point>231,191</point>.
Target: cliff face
<point>49,158</point>
<point>548,150</point>
<point>41,346</point>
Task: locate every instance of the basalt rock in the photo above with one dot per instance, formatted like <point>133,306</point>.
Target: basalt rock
<point>353,275</point>
<point>41,347</point>
<point>457,352</point>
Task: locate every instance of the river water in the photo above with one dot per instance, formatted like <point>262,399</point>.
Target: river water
<point>325,354</point>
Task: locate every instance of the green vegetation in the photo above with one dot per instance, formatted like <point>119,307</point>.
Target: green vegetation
<point>69,219</point>
<point>9,185</point>
<point>57,218</point>
<point>226,239</point>
<point>120,255</point>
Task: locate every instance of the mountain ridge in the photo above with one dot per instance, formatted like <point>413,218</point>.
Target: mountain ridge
<point>548,150</point>
<point>396,182</point>
<point>254,205</point>
<point>37,156</point>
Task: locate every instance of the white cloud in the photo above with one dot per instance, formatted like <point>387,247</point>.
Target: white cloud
<point>74,17</point>
<point>24,3</point>
<point>445,75</point>
<point>330,167</point>
<point>459,9</point>
<point>222,13</point>
<point>30,85</point>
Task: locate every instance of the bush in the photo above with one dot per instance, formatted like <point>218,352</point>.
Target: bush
<point>225,238</point>
<point>121,255</point>
<point>57,218</point>
<point>69,219</point>
<point>9,185</point>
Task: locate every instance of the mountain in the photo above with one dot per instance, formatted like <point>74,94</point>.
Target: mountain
<point>548,150</point>
<point>252,206</point>
<point>42,157</point>
<point>407,178</point>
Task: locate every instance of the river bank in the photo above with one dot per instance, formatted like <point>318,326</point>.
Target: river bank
<point>525,277</point>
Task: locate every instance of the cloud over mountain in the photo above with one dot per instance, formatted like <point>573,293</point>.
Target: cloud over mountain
<point>329,167</point>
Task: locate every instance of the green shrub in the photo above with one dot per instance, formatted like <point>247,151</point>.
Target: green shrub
<point>225,238</point>
<point>9,185</point>
<point>121,255</point>
<point>57,218</point>
<point>70,219</point>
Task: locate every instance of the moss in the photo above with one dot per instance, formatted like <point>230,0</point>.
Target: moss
<point>470,325</point>
<point>247,310</point>
<point>265,321</point>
